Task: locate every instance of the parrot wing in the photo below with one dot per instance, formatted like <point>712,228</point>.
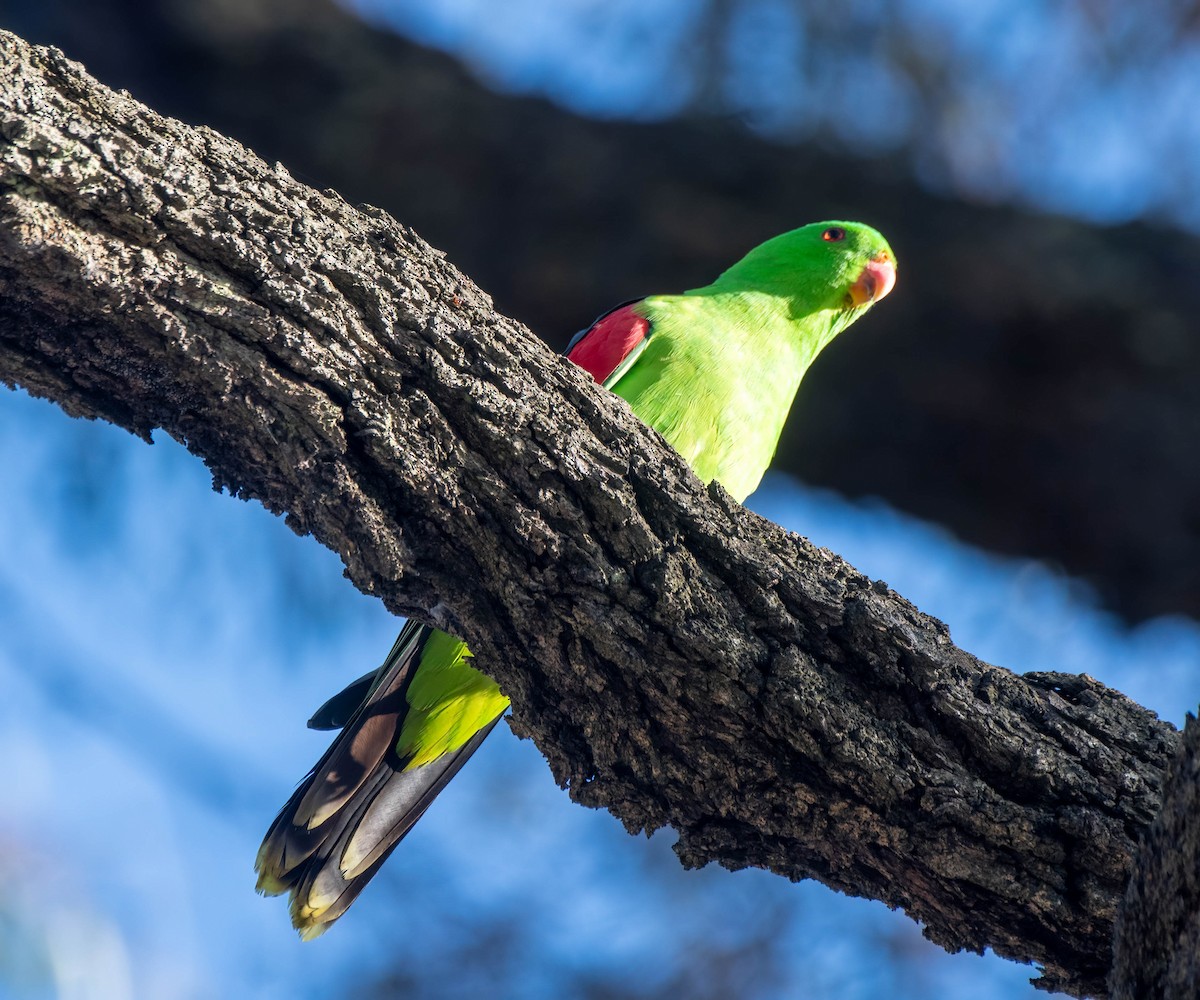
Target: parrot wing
<point>608,348</point>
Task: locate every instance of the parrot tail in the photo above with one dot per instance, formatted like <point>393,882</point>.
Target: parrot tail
<point>360,799</point>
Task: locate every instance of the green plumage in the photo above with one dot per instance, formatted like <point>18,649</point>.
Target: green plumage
<point>715,375</point>
<point>449,702</point>
<point>719,373</point>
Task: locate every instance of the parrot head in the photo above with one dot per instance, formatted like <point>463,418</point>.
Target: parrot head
<point>839,266</point>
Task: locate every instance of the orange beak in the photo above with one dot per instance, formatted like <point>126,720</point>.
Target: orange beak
<point>876,280</point>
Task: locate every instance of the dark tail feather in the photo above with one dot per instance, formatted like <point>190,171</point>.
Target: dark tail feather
<point>339,709</point>
<point>357,804</point>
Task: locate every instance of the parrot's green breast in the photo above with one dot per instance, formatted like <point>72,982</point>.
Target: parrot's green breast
<point>717,378</point>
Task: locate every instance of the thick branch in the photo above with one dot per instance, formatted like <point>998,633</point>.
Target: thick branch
<point>679,660</point>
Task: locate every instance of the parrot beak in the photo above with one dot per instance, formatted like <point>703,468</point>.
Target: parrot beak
<point>876,280</point>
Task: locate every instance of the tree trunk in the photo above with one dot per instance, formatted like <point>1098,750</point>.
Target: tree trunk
<point>679,660</point>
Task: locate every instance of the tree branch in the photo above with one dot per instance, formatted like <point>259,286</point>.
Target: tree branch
<point>679,660</point>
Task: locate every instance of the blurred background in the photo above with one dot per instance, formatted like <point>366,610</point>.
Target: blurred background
<point>1009,441</point>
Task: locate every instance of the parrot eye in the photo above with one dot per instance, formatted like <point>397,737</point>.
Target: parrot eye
<point>834,234</point>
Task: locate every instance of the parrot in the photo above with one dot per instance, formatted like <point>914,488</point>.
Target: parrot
<point>714,370</point>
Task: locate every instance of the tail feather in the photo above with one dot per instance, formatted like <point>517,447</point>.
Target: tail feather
<point>401,803</point>
<point>359,801</point>
<point>339,709</point>
<point>364,743</point>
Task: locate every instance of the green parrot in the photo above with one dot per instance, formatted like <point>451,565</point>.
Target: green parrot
<point>713,370</point>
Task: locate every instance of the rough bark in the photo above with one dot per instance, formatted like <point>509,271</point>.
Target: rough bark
<point>679,660</point>
<point>1157,941</point>
<point>1031,385</point>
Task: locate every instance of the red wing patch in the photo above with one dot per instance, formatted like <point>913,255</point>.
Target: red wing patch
<point>608,341</point>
